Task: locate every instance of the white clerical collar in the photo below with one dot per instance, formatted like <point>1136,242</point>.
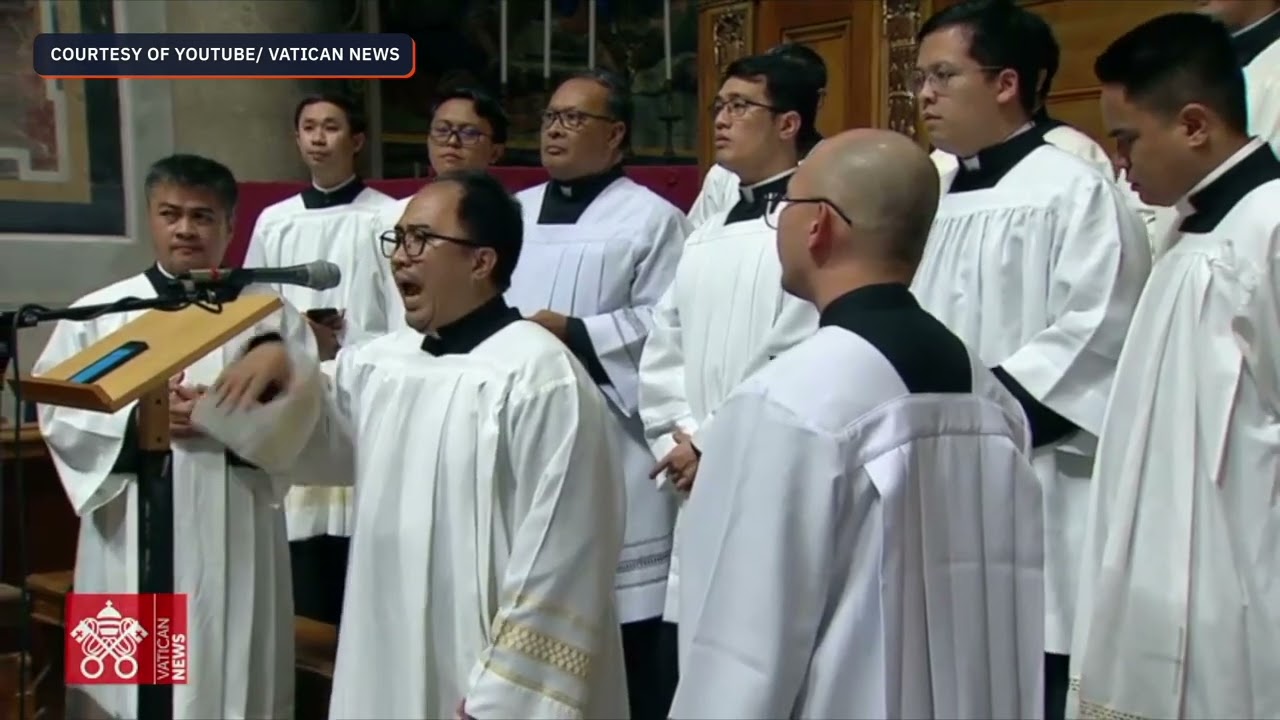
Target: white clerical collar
<point>1184,207</point>
<point>1254,24</point>
<point>164,272</point>
<point>973,163</point>
<point>748,191</point>
<point>335,188</point>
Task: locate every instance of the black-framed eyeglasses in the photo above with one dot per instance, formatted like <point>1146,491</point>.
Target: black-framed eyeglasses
<point>736,107</point>
<point>468,136</point>
<point>571,119</point>
<point>416,240</point>
<point>778,203</point>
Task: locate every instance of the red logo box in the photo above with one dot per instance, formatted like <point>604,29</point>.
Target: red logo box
<point>126,639</point>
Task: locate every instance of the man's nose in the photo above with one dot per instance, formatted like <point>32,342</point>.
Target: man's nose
<point>184,228</point>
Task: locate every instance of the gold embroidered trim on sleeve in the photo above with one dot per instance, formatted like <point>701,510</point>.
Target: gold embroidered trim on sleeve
<point>1094,711</point>
<point>543,648</point>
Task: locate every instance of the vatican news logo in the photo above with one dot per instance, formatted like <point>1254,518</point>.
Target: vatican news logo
<point>126,639</point>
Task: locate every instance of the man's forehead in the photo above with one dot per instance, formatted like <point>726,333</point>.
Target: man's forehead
<point>432,205</point>
<point>185,196</point>
<point>735,87</point>
<point>458,109</point>
<point>950,45</point>
<point>579,93</point>
<point>321,111</point>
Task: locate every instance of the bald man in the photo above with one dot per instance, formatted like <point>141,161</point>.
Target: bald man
<point>867,484</point>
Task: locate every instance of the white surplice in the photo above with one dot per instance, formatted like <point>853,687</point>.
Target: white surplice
<point>1040,275</point>
<point>718,193</point>
<point>488,528</point>
<point>852,550</point>
<point>289,233</point>
<point>1262,85</point>
<point>609,269</point>
<point>231,557</point>
<point>723,317</point>
<point>1179,610</point>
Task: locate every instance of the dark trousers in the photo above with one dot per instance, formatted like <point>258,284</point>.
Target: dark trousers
<point>319,574</point>
<point>649,651</point>
<point>1056,681</point>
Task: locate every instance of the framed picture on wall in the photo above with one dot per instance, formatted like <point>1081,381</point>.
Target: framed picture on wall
<point>61,167</point>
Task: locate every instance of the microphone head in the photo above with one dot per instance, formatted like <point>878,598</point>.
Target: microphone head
<point>323,275</point>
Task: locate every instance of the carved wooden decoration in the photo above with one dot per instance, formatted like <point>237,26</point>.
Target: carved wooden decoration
<point>901,22</point>
<point>731,34</point>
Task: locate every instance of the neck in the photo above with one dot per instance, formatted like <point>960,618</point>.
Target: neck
<point>467,304</point>
<point>997,132</point>
<point>597,172</point>
<point>771,167</point>
<point>1216,155</point>
<point>330,180</point>
<point>827,288</point>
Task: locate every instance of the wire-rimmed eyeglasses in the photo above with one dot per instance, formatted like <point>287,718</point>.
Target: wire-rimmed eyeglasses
<point>416,240</point>
<point>776,204</point>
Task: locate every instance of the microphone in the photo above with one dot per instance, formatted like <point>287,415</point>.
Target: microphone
<point>317,275</point>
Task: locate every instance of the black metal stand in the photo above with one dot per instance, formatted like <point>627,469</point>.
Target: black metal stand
<point>155,487</point>
<point>669,118</point>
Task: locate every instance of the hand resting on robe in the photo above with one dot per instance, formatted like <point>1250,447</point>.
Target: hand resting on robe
<point>681,464</point>
<point>554,322</point>
<point>182,399</point>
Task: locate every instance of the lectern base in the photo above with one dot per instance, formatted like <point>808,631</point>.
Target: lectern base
<point>155,527</point>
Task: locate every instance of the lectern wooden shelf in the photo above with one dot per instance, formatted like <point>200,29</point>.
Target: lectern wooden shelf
<point>135,364</point>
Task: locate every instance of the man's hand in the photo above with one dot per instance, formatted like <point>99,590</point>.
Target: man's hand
<point>680,465</point>
<point>243,382</point>
<point>461,712</point>
<point>554,322</point>
<point>182,399</point>
<point>328,334</point>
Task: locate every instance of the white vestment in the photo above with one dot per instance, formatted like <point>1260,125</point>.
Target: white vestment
<point>1179,610</point>
<point>719,193</point>
<point>488,528</point>
<point>1040,275</point>
<point>852,550</point>
<point>1262,84</point>
<point>1086,148</point>
<point>230,553</point>
<point>723,317</point>
<point>289,233</point>
<point>609,269</point>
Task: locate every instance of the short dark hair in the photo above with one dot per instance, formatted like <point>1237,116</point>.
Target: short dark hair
<point>619,104</point>
<point>998,38</point>
<point>491,217</point>
<point>1172,60</point>
<point>804,57</point>
<point>1040,35</point>
<point>349,107</point>
<point>486,106</point>
<point>197,173</point>
<point>781,90</point>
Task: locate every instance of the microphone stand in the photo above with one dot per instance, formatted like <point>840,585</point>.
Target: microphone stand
<point>155,487</point>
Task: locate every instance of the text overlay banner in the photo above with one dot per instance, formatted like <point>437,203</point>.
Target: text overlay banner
<point>224,55</point>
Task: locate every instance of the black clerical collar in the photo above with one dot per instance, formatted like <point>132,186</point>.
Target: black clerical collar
<point>984,170</point>
<point>753,200</point>
<point>467,332</point>
<point>1044,122</point>
<point>565,200</point>
<point>1250,43</point>
<point>313,198</point>
<point>1211,203</point>
<point>159,279</point>
<point>883,296</point>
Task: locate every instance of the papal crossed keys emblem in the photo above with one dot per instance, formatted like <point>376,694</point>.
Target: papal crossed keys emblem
<point>109,634</point>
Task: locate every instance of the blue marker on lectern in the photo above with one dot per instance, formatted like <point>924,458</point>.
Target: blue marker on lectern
<point>109,362</point>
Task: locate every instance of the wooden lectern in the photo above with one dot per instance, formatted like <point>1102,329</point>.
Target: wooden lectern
<point>135,363</point>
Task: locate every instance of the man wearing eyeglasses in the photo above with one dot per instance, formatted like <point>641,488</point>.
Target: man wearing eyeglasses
<point>854,548</point>
<point>725,315</point>
<point>719,190</point>
<point>599,251</point>
<point>331,220</point>
<point>1035,260</point>
<point>468,132</point>
<point>490,520</point>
